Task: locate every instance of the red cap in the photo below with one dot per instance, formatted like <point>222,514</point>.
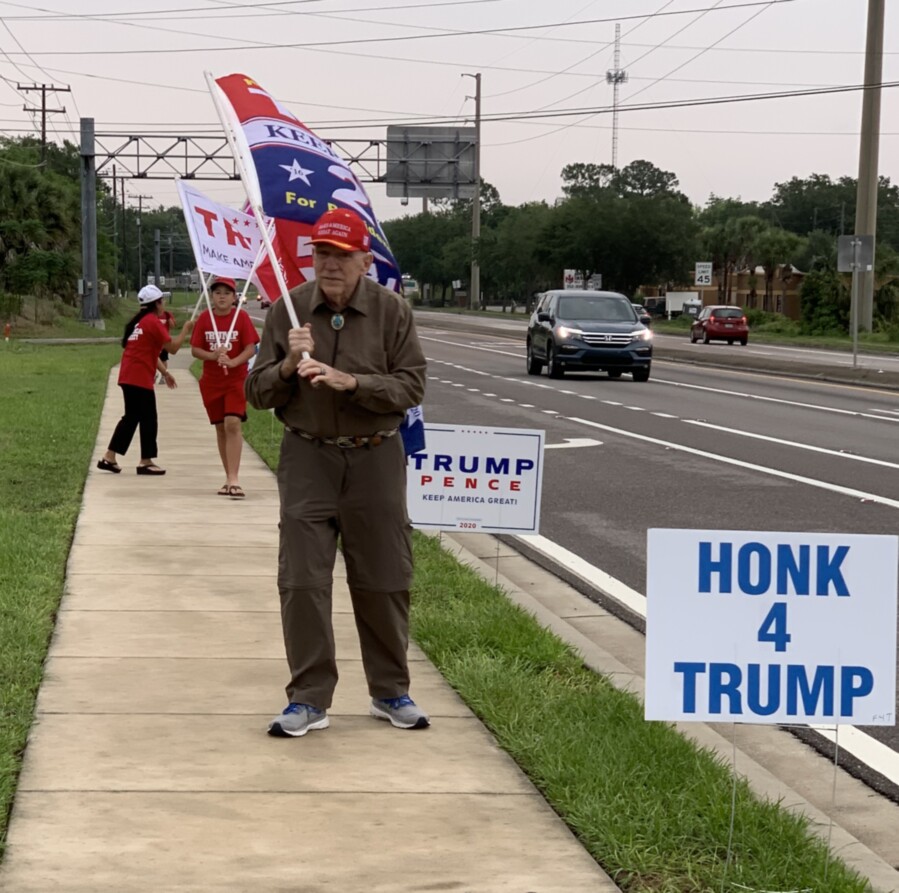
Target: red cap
<point>223,280</point>
<point>342,228</point>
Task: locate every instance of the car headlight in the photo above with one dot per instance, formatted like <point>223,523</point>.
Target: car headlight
<point>644,335</point>
<point>567,332</point>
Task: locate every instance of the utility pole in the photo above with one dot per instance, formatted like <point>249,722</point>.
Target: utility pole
<point>868,156</point>
<point>90,308</point>
<point>474,299</point>
<point>616,77</point>
<point>157,269</point>
<point>43,89</point>
<point>124,242</point>
<point>115,232</point>
<point>140,245</point>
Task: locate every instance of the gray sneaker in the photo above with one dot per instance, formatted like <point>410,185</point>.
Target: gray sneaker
<point>296,720</point>
<point>401,712</point>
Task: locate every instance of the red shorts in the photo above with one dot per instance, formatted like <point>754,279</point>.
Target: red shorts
<point>223,400</point>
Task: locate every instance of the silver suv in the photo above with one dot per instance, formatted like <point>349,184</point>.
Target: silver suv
<point>573,330</point>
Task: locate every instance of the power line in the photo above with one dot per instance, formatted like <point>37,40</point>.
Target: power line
<point>702,52</point>
<point>166,14</point>
<point>602,49</point>
<point>499,32</point>
<point>618,45</point>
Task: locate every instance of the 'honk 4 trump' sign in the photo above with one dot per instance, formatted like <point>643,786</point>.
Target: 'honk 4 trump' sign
<point>786,628</point>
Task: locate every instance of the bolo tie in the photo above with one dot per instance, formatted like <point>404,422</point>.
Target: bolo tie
<point>338,321</point>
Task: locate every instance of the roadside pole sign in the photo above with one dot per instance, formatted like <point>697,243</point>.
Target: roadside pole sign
<point>703,274</point>
<point>573,279</point>
<point>476,479</point>
<point>776,628</point>
<point>855,254</point>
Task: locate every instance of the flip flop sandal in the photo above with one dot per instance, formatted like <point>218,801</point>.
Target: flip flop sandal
<point>106,465</point>
<point>236,492</point>
<point>224,490</point>
<point>150,469</point>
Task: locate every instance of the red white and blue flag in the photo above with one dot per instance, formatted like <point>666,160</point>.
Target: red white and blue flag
<point>296,177</point>
<point>299,177</point>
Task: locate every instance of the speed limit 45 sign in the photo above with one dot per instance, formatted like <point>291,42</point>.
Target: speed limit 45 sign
<point>703,273</point>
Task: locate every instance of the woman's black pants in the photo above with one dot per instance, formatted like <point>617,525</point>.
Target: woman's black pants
<point>140,409</point>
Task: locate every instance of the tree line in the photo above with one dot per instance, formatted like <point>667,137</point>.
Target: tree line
<point>633,225</point>
<point>40,229</point>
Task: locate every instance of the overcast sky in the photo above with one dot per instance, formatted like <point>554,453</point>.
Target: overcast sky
<point>136,66</point>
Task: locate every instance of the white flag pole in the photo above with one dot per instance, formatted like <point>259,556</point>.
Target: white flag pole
<point>205,283</point>
<point>234,136</point>
<point>246,285</point>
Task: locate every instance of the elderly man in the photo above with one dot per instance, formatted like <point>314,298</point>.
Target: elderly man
<point>342,472</point>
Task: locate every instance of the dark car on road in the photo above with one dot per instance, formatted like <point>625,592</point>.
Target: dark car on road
<point>572,330</point>
<point>720,322</point>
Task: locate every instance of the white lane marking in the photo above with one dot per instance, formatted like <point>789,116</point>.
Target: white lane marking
<point>526,405</point>
<point>457,384</point>
<point>635,408</point>
<point>474,390</point>
<point>570,393</point>
<point>748,396</point>
<point>622,593</point>
<point>751,466</point>
<point>891,411</point>
<point>791,443</point>
<point>506,400</point>
<point>665,415</point>
<point>489,395</point>
<point>506,353</point>
<point>612,403</point>
<point>862,746</point>
<point>573,443</point>
<point>587,396</point>
<point>549,411</point>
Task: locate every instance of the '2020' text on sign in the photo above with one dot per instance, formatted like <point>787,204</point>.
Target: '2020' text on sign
<point>771,627</point>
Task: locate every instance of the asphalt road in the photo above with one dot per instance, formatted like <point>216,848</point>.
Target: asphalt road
<point>695,447</point>
<point>721,437</point>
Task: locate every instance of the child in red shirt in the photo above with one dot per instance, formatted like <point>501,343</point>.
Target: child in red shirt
<point>145,336</point>
<point>224,372</point>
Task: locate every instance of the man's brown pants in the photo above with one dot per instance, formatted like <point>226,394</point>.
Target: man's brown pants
<point>359,495</point>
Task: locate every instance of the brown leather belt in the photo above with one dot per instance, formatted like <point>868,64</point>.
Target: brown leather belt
<point>346,442</point>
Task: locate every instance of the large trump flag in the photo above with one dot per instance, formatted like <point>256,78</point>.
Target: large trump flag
<point>298,177</point>
<point>295,177</point>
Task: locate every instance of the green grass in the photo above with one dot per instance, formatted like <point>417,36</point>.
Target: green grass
<point>49,416</point>
<point>59,321</point>
<point>650,807</point>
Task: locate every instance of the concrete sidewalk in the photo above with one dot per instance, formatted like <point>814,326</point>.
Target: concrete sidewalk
<point>148,767</point>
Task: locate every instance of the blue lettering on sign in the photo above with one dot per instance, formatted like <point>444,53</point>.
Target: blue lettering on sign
<point>471,464</point>
<point>762,689</point>
<point>497,466</point>
<point>756,569</point>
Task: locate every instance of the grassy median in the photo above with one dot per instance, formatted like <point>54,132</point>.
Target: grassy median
<point>651,808</point>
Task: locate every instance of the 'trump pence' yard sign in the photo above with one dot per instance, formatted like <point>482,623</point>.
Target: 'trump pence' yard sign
<point>771,627</point>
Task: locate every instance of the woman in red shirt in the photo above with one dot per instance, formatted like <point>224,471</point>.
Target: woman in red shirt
<point>145,336</point>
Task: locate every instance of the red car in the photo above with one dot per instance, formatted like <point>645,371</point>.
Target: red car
<point>720,323</point>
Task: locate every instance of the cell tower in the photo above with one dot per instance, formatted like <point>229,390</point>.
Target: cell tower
<point>616,77</point>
